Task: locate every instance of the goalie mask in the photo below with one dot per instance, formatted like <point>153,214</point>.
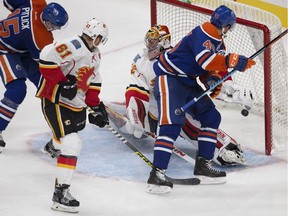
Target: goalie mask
<point>95,28</point>
<point>157,39</point>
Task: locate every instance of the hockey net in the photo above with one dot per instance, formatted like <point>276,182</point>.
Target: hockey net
<point>254,29</point>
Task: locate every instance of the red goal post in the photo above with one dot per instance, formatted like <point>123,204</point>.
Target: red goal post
<point>254,29</point>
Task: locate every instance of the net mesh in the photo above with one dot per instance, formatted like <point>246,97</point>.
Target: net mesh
<point>244,40</point>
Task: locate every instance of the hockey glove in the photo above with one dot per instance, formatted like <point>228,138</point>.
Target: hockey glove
<point>239,62</point>
<point>209,80</point>
<point>69,88</point>
<point>100,116</point>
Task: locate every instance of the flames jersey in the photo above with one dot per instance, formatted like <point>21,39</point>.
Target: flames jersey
<point>142,82</point>
<point>70,56</point>
<point>23,31</point>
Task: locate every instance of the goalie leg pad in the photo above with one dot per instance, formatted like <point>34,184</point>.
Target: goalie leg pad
<point>136,113</point>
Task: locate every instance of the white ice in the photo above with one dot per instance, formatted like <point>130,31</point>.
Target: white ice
<point>111,179</point>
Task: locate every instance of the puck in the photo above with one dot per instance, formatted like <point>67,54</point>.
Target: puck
<point>245,112</point>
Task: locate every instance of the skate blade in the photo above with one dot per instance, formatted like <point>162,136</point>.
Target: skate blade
<point>156,189</point>
<point>63,208</point>
<point>204,180</point>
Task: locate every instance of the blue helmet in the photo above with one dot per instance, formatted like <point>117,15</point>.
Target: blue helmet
<point>223,17</point>
<point>55,14</point>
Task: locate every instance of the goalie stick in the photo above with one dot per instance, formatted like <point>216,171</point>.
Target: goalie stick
<point>195,99</point>
<point>175,150</point>
<point>187,181</point>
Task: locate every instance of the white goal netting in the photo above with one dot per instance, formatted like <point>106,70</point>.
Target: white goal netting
<point>255,28</point>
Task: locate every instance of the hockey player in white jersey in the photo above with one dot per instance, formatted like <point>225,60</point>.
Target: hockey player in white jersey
<point>71,82</point>
<point>141,106</point>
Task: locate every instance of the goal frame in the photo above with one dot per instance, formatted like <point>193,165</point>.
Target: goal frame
<point>266,65</point>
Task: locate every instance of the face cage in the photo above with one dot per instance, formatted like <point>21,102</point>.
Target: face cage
<point>155,53</point>
<point>151,43</point>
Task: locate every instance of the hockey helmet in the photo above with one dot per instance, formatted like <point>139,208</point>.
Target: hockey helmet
<point>94,28</point>
<point>158,35</point>
<point>223,17</point>
<point>55,14</point>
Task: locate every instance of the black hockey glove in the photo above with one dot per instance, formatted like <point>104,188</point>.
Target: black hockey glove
<point>100,116</point>
<point>69,88</point>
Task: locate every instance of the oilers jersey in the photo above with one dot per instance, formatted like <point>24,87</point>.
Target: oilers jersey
<point>23,31</point>
<point>201,50</point>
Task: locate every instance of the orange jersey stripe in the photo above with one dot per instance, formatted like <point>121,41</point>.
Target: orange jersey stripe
<point>41,36</point>
<point>211,30</point>
<point>6,70</point>
<point>163,144</point>
<point>164,63</point>
<point>164,117</point>
<point>208,134</point>
<point>6,113</point>
<point>218,63</point>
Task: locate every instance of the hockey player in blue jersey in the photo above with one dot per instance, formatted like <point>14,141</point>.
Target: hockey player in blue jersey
<point>201,53</point>
<point>23,34</point>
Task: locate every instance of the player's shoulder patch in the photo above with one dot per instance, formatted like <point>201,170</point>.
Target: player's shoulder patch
<point>136,58</point>
<point>76,44</point>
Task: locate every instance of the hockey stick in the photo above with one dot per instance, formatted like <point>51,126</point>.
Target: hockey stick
<point>195,99</point>
<point>188,181</point>
<point>175,150</point>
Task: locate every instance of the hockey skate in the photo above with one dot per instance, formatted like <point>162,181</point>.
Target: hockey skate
<point>207,174</point>
<point>50,150</point>
<point>2,143</point>
<point>63,200</point>
<point>157,183</point>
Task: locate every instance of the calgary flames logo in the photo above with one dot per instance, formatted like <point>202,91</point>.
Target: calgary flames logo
<point>84,74</point>
<point>152,82</point>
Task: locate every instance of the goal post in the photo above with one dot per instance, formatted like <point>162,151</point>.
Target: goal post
<point>255,28</point>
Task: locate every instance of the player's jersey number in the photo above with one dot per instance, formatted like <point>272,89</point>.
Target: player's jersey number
<point>63,51</point>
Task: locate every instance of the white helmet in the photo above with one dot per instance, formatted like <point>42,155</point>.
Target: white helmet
<point>95,27</point>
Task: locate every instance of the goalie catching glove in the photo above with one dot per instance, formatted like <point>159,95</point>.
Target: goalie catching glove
<point>233,93</point>
<point>209,80</point>
<point>99,116</point>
